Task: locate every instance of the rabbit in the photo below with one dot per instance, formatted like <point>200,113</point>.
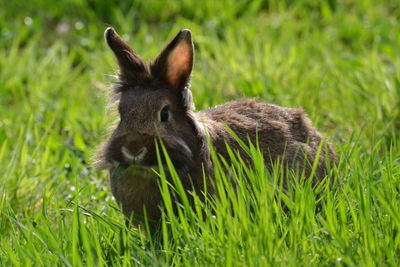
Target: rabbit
<point>155,101</point>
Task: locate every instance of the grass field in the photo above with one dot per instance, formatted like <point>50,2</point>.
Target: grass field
<point>338,59</point>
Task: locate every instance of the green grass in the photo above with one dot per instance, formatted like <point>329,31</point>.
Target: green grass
<point>338,59</point>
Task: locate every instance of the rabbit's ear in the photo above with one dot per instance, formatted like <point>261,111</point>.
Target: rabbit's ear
<point>175,62</point>
<point>128,61</point>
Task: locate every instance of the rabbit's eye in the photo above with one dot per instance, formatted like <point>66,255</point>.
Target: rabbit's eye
<point>164,114</point>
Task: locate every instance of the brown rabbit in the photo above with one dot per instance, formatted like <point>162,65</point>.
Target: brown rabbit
<point>155,102</point>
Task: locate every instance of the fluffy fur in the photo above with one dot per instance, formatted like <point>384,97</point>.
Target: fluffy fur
<point>145,90</point>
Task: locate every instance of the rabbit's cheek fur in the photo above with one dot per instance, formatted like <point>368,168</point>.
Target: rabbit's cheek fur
<point>179,151</point>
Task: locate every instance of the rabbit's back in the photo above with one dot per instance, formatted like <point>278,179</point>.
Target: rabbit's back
<point>285,133</point>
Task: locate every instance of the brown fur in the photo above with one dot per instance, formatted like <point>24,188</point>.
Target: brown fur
<point>144,90</point>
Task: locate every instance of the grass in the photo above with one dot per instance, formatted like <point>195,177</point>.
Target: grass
<point>337,59</point>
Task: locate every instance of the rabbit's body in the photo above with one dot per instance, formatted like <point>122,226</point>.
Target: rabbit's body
<point>284,133</point>
<point>155,103</point>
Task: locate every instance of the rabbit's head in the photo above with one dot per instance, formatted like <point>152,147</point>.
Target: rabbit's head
<point>154,102</point>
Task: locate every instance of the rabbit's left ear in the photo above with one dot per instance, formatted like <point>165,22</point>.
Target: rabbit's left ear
<point>175,62</point>
<point>131,65</point>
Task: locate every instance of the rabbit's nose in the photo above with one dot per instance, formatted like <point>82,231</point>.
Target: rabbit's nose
<point>136,157</point>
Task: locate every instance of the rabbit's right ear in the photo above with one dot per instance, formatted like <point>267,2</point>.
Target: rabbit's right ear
<point>131,65</point>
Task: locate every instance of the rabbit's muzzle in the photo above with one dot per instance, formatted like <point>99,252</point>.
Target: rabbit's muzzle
<point>134,158</point>
<point>131,149</point>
